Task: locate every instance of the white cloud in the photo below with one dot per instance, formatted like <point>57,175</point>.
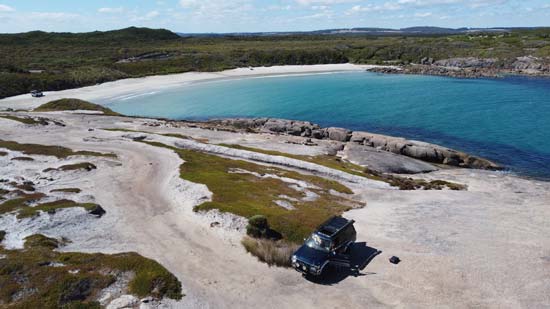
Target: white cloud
<point>388,6</point>
<point>469,3</point>
<point>152,14</point>
<point>217,9</point>
<point>278,8</point>
<point>6,8</point>
<point>190,3</point>
<point>426,14</point>
<point>147,17</point>
<point>324,2</point>
<point>54,16</point>
<point>111,10</point>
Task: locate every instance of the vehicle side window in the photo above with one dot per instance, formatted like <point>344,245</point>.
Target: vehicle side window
<point>350,230</point>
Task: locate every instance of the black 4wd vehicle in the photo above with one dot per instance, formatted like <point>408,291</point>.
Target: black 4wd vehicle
<point>330,243</point>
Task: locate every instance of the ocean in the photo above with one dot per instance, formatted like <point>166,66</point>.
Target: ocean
<point>506,120</point>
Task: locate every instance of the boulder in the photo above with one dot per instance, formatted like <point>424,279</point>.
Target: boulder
<point>97,211</point>
<point>339,134</point>
<point>295,130</point>
<point>319,134</point>
<point>277,125</point>
<point>124,301</point>
<point>383,161</point>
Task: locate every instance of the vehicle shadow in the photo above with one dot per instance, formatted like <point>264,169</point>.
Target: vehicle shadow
<point>360,256</point>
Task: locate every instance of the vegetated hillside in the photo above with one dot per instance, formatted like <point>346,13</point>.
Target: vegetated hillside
<point>74,105</point>
<point>67,60</point>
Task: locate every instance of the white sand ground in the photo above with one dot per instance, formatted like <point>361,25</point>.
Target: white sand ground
<point>486,247</point>
<point>137,86</point>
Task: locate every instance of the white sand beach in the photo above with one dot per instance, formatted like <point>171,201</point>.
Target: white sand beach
<point>137,86</point>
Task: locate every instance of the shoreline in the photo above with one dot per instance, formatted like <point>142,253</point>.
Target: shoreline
<point>129,88</point>
<point>136,86</point>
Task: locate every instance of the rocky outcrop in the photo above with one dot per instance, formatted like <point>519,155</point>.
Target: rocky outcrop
<point>413,149</point>
<point>422,151</point>
<point>472,67</point>
<point>531,65</point>
<point>469,62</point>
<point>338,134</point>
<point>456,72</point>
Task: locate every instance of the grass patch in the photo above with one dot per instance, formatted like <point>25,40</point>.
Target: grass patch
<point>247,195</point>
<point>66,190</point>
<point>24,159</point>
<point>79,279</point>
<point>73,105</point>
<point>21,205</point>
<point>274,253</point>
<point>52,207</point>
<point>73,167</point>
<point>25,120</point>
<point>20,202</point>
<point>407,183</point>
<point>26,186</point>
<point>45,150</point>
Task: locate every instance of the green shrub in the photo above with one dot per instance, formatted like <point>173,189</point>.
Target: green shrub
<point>257,227</point>
<point>41,241</point>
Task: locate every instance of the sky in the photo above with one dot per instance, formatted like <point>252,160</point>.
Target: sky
<point>191,16</point>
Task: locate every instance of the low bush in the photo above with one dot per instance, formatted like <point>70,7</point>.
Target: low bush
<point>273,253</point>
<point>66,190</point>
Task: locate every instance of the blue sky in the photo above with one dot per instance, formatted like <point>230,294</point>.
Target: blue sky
<point>266,15</point>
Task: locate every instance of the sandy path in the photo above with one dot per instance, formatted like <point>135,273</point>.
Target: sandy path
<point>486,247</point>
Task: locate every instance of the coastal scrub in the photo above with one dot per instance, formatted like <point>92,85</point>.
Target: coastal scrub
<point>248,189</point>
<point>51,279</point>
<point>73,105</point>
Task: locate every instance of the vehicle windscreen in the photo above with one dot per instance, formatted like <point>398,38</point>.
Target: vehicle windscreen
<point>318,243</point>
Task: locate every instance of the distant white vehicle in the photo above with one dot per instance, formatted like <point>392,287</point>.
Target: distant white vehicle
<point>36,94</point>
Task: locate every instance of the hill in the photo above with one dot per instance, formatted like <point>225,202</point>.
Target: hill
<point>56,61</point>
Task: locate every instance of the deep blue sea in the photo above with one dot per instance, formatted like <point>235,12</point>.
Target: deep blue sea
<point>506,120</point>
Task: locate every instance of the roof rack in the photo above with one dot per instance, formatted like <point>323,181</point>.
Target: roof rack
<point>334,225</point>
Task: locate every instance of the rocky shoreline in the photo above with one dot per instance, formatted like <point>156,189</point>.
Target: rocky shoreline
<point>472,67</point>
<point>369,141</point>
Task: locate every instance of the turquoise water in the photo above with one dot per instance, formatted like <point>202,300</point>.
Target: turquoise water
<point>506,120</point>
